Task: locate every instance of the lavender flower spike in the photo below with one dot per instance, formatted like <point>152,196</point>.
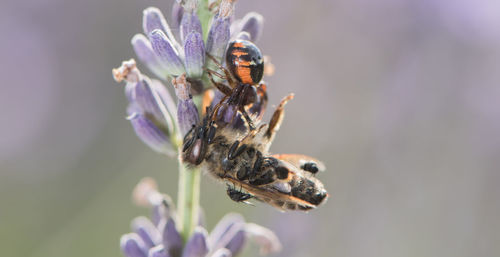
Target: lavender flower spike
<point>227,238</point>
<point>187,113</point>
<point>194,54</point>
<point>164,49</point>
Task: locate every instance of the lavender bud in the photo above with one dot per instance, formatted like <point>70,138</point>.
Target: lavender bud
<point>163,48</point>
<point>149,133</point>
<point>171,238</point>
<point>223,226</point>
<point>194,54</point>
<point>158,251</point>
<point>162,210</point>
<point>177,13</point>
<point>132,246</point>
<point>145,53</point>
<point>190,23</point>
<point>222,252</point>
<point>187,113</point>
<point>243,35</point>
<point>218,37</point>
<point>166,99</point>
<point>196,246</point>
<point>253,24</point>
<point>268,241</point>
<point>147,231</point>
<point>235,245</point>
<point>148,99</point>
<point>153,19</point>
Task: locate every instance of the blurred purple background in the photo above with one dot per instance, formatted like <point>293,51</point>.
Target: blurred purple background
<point>399,98</point>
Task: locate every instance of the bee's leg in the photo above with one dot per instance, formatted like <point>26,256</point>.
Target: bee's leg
<point>277,119</point>
<point>235,150</point>
<point>228,76</point>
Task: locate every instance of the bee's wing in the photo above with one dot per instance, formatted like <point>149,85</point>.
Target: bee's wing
<point>299,160</point>
<point>274,194</point>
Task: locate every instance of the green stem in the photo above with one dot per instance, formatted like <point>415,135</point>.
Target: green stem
<point>188,199</point>
<point>205,16</point>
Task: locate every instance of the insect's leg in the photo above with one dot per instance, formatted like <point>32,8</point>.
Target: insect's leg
<point>225,89</point>
<point>249,121</point>
<point>277,119</point>
<point>241,107</point>
<point>228,77</point>
<point>235,150</point>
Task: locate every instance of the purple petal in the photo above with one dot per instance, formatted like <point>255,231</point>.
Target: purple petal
<point>147,97</point>
<point>132,245</point>
<point>222,252</point>
<point>218,37</point>
<point>224,225</point>
<point>165,103</point>
<point>162,211</point>
<point>163,48</point>
<point>268,241</point>
<point>190,23</point>
<point>145,53</point>
<point>187,113</point>
<point>194,54</point>
<point>149,133</point>
<point>177,13</point>
<point>153,19</point>
<point>196,246</point>
<point>253,23</point>
<point>237,241</point>
<point>171,238</point>
<point>147,231</point>
<point>233,238</point>
<point>158,251</point>
<point>243,35</point>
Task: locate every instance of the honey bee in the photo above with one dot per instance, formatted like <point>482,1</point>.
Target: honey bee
<point>241,159</point>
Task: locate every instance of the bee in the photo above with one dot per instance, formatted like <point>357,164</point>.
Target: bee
<point>285,181</point>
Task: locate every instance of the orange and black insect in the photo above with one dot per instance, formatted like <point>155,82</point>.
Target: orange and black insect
<point>245,68</point>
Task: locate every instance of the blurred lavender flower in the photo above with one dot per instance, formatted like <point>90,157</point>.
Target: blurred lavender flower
<point>150,109</point>
<point>160,236</point>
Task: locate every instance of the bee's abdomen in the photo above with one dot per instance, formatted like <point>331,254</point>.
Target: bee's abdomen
<point>308,189</point>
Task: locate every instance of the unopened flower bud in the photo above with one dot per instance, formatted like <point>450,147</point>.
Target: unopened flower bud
<point>194,54</point>
<point>167,54</point>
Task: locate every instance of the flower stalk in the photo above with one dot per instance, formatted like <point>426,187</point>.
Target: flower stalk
<point>188,199</point>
